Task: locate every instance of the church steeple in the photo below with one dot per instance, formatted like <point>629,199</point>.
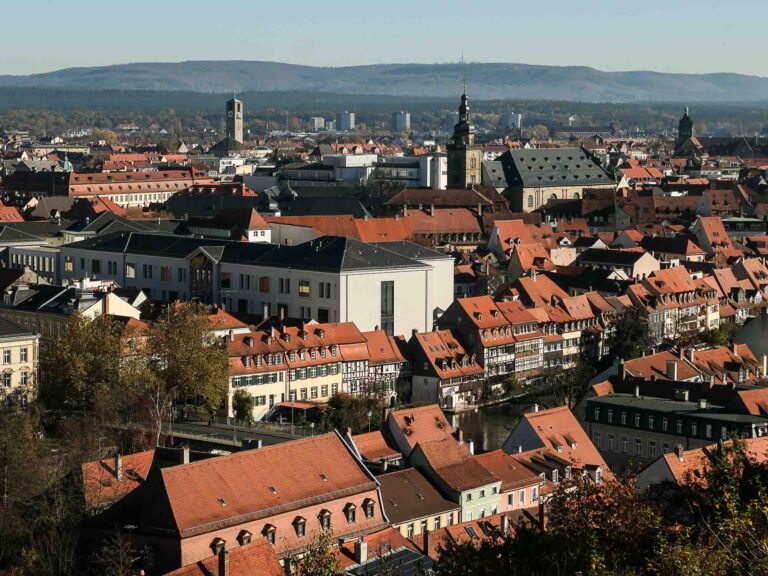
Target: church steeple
<point>685,127</point>
<point>464,157</point>
<point>463,131</point>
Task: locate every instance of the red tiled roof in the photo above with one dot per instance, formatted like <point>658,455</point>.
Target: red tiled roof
<point>100,484</point>
<point>512,473</point>
<point>455,465</point>
<point>424,423</point>
<point>372,446</point>
<point>255,559</point>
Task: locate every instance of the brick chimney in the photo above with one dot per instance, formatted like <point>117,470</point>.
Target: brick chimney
<point>119,467</point>
<point>504,524</point>
<point>680,453</point>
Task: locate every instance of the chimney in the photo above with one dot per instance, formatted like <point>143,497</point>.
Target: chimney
<point>365,218</point>
<point>361,550</point>
<point>281,313</point>
<point>184,455</point>
<point>517,449</point>
<point>431,209</point>
<point>679,453</point>
<point>702,403</point>
<point>405,211</point>
<point>224,562</point>
<point>504,524</point>
<point>384,464</point>
<point>427,541</point>
<point>265,315</point>
<point>724,377</point>
<point>691,353</point>
<point>734,349</point>
<point>460,436</point>
<point>637,390</point>
<point>231,335</point>
<point>671,369</point>
<point>535,407</point>
<point>471,446</point>
<point>765,364</point>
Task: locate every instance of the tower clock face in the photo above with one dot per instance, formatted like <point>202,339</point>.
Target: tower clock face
<point>230,113</point>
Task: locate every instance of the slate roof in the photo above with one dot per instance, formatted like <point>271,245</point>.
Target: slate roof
<point>545,167</point>
<point>608,256</point>
<point>9,329</point>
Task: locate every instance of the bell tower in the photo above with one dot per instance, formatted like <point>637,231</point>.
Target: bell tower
<point>465,158</point>
<point>235,119</point>
<point>684,128</point>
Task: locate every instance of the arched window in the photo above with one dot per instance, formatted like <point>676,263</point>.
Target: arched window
<point>576,196</point>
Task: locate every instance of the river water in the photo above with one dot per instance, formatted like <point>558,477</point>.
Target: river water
<point>488,426</point>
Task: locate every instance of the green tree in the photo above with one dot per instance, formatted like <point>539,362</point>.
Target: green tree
<point>108,136</point>
<point>81,363</point>
<point>347,411</point>
<point>242,405</point>
<point>318,559</point>
<point>629,337</point>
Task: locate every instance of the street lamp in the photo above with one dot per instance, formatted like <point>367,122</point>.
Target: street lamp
<point>312,428</point>
<point>369,420</point>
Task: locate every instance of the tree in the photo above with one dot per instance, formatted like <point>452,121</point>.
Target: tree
<point>108,136</point>
<point>115,557</point>
<point>347,411</point>
<point>568,386</point>
<point>629,337</point>
<point>538,132</point>
<point>81,363</point>
<point>242,404</point>
<point>317,559</point>
<point>186,363</point>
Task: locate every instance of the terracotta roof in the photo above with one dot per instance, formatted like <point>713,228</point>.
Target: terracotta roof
<point>512,232</point>
<point>372,446</point>
<point>379,543</point>
<point>446,355</point>
<point>101,486</point>
<point>695,462</point>
<point>512,473</point>
<point>655,366</point>
<point>754,402</point>
<point>558,429</point>
<point>255,559</point>
<point>424,423</point>
<point>382,349</point>
<point>222,320</point>
<point>444,220</point>
<point>233,489</point>
<point>455,465</point>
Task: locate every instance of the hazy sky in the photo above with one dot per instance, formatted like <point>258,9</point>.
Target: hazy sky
<point>670,35</point>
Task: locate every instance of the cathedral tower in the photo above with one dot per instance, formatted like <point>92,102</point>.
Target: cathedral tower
<point>235,119</point>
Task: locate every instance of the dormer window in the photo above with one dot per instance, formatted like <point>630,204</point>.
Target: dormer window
<point>368,508</point>
<point>244,537</point>
<point>300,525</point>
<point>218,545</point>
<point>333,350</point>
<point>312,354</point>
<point>325,520</point>
<point>555,476</point>
<point>350,512</point>
<point>269,533</point>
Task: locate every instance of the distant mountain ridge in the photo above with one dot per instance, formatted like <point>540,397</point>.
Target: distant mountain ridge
<point>486,81</point>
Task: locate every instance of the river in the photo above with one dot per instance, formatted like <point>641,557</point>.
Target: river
<point>488,426</point>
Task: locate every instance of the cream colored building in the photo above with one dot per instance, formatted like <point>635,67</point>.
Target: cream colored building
<point>19,353</point>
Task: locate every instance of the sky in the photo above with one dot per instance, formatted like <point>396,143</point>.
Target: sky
<point>666,36</point>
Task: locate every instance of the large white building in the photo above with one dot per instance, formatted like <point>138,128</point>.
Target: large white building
<point>395,286</point>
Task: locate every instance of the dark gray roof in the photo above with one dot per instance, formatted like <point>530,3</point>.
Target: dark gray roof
<point>493,174</point>
<point>549,167</point>
<point>329,253</point>
<point>324,206</point>
<point>106,222</point>
<point>12,235</point>
<point>8,329</point>
<point>608,256</point>
<point>411,250</point>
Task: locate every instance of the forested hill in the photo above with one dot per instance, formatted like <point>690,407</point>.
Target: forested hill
<point>486,81</point>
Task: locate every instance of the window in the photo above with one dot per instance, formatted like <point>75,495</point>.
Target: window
<point>709,430</point>
<point>436,523</point>
<point>24,378</point>
<point>284,286</point>
<point>300,525</point>
<point>325,289</point>
<point>611,442</point>
<point>638,447</point>
<point>651,449</point>
<point>694,428</point>
<point>623,418</point>
<point>664,424</point>
<point>350,511</point>
<point>130,270</point>
<point>68,264</point>
<point>325,520</point>
<point>534,494</point>
<point>146,270</point>
<point>521,498</point>
<point>264,284</point>
<point>665,448</point>
<point>530,201</point>
<point>679,426</point>
<point>624,445</point>
<point>388,307</point>
<point>637,420</point>
<point>269,533</point>
<point>410,530</point>
<point>368,508</point>
<point>510,499</point>
<point>165,273</point>
<point>650,422</point>
<point>112,267</point>
<point>469,497</point>
<point>303,393</point>
<point>423,526</point>
<point>7,379</point>
<point>181,274</point>
<point>610,415</point>
<point>597,414</point>
<point>6,356</point>
<point>482,493</point>
<point>314,392</point>
<point>304,288</point>
<point>598,440</point>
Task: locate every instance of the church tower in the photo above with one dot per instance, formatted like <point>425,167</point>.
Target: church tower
<point>684,128</point>
<point>235,119</point>
<point>465,158</point>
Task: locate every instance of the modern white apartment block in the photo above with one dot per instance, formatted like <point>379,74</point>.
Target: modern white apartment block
<point>394,286</point>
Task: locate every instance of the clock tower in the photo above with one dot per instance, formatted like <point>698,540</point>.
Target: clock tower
<point>465,158</point>
<point>235,119</point>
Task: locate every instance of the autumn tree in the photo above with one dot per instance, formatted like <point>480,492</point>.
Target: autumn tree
<point>242,405</point>
<point>317,559</point>
<point>108,136</point>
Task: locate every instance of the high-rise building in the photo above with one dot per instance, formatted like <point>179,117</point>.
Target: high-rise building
<point>511,121</point>
<point>317,123</point>
<point>465,158</point>
<point>401,122</point>
<point>345,121</point>
<point>450,121</point>
<point>235,119</point>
